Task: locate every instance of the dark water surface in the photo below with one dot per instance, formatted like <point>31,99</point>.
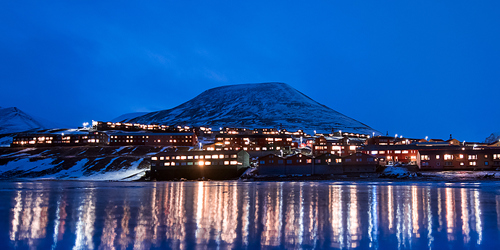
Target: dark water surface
<point>207,215</point>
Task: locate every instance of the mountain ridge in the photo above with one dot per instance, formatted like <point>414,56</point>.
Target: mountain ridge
<point>14,120</point>
<point>260,105</point>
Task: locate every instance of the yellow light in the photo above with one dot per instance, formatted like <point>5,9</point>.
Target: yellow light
<point>201,163</point>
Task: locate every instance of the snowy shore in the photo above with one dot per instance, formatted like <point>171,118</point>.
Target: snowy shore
<point>391,173</point>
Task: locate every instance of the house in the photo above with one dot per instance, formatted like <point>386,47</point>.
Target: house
<point>295,164</point>
<point>459,158</point>
<point>340,146</point>
<point>389,140</point>
<point>271,164</point>
<point>327,164</point>
<point>359,163</point>
<point>300,164</point>
<point>406,154</point>
<point>197,164</point>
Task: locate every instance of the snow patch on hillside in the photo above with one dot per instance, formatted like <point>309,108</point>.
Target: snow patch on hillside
<point>25,165</point>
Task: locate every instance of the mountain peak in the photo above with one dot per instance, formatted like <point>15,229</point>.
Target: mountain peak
<point>257,105</point>
<point>14,120</point>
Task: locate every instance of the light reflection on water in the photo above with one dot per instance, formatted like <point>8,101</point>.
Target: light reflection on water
<point>186,215</point>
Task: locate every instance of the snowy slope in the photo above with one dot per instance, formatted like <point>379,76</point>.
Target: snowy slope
<point>14,120</point>
<point>494,137</point>
<point>128,116</point>
<point>80,163</point>
<point>261,105</point>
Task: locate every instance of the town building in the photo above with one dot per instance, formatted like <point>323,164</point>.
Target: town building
<point>298,164</point>
<point>198,164</point>
<point>391,154</point>
<point>180,139</point>
<point>252,142</point>
<point>359,163</point>
<point>342,146</point>
<point>71,138</point>
<point>459,158</point>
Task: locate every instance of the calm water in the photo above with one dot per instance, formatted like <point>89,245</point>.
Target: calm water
<point>194,215</point>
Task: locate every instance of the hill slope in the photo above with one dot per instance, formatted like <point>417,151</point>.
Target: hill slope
<point>260,105</point>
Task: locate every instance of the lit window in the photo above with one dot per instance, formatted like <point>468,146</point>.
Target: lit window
<point>154,158</point>
<point>424,157</point>
<point>190,157</point>
<point>374,152</point>
<point>448,157</point>
<point>162,158</point>
<point>472,157</point>
<point>226,162</point>
<point>167,163</point>
<point>496,156</point>
<point>208,156</point>
<point>397,151</point>
<point>405,151</point>
<point>437,157</point>
<point>461,156</point>
<point>183,157</point>
<point>472,163</point>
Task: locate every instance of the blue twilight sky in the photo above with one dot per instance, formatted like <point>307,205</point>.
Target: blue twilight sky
<point>416,68</point>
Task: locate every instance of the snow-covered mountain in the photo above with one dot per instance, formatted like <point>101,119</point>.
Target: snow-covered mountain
<point>494,137</point>
<point>261,105</point>
<point>128,116</point>
<point>14,120</point>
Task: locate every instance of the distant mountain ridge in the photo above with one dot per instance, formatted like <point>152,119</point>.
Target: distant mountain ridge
<point>14,120</point>
<point>494,137</point>
<point>261,105</point>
